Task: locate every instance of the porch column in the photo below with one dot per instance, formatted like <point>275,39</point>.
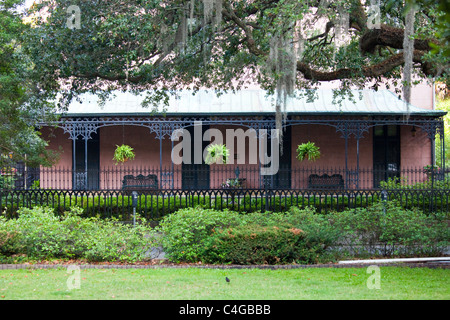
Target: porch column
<point>160,157</point>
<point>346,155</point>
<point>74,158</point>
<point>79,179</point>
<point>358,136</point>
<point>85,159</point>
<point>441,131</point>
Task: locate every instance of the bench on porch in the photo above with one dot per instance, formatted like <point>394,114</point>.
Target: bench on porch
<point>325,181</point>
<point>140,182</point>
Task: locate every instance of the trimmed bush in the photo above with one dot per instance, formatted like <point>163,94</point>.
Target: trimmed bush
<point>199,234</point>
<point>185,231</point>
<point>255,244</point>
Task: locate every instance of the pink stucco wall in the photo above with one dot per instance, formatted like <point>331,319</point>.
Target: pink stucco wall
<point>415,153</point>
<point>332,148</point>
<point>146,148</point>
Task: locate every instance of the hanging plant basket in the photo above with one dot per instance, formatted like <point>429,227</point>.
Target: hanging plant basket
<point>308,151</point>
<point>217,153</point>
<point>123,153</point>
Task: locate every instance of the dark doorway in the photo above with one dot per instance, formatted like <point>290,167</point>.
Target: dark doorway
<point>87,180</point>
<point>386,153</point>
<point>281,180</point>
<point>195,176</point>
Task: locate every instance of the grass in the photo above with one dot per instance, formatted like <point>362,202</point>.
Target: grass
<point>398,283</point>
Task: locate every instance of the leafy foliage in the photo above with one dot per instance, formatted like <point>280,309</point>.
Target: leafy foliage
<point>301,235</point>
<point>186,230</point>
<point>217,153</point>
<point>255,244</point>
<point>308,151</point>
<point>123,153</point>
<point>23,103</point>
<point>166,46</point>
<point>39,234</point>
<point>387,229</point>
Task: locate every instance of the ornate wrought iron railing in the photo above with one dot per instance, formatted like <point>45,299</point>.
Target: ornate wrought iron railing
<point>227,176</point>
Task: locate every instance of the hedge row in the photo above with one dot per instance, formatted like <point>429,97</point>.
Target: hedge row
<point>301,235</point>
<point>39,234</point>
<point>223,236</point>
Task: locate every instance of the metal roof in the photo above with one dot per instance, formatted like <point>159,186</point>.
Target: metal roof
<point>248,102</point>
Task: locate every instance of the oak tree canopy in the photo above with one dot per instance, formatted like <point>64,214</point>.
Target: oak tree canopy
<point>166,46</point>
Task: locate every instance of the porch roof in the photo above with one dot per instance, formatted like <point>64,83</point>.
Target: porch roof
<point>250,102</point>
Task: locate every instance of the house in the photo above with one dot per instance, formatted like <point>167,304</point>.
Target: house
<point>364,140</point>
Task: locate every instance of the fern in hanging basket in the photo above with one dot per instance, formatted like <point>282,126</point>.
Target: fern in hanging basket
<point>308,151</point>
<point>217,153</point>
<point>123,153</point>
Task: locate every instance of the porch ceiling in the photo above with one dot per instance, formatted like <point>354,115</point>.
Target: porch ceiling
<point>250,102</point>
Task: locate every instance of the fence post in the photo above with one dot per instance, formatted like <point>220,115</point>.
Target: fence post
<point>384,196</point>
<point>134,203</point>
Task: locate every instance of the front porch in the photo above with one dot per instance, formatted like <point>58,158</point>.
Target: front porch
<point>362,143</point>
<point>360,151</point>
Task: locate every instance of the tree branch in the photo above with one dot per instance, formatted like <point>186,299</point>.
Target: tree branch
<point>390,37</point>
<point>251,44</point>
<point>370,72</point>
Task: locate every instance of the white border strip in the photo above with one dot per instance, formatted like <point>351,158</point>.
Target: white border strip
<point>395,260</point>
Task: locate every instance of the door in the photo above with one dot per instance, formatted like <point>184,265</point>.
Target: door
<point>87,180</point>
<point>282,179</point>
<point>386,153</point>
<point>195,176</point>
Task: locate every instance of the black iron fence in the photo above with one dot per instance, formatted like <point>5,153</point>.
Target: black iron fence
<point>158,203</point>
<point>204,177</point>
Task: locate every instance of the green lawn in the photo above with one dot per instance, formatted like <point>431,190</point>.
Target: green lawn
<point>399,283</point>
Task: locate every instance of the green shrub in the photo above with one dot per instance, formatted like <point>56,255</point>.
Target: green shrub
<point>397,183</point>
<point>389,230</point>
<point>189,235</point>
<point>111,241</point>
<point>40,234</point>
<point>255,244</point>
<point>384,229</point>
<point>319,229</point>
<point>9,243</point>
<point>185,231</point>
